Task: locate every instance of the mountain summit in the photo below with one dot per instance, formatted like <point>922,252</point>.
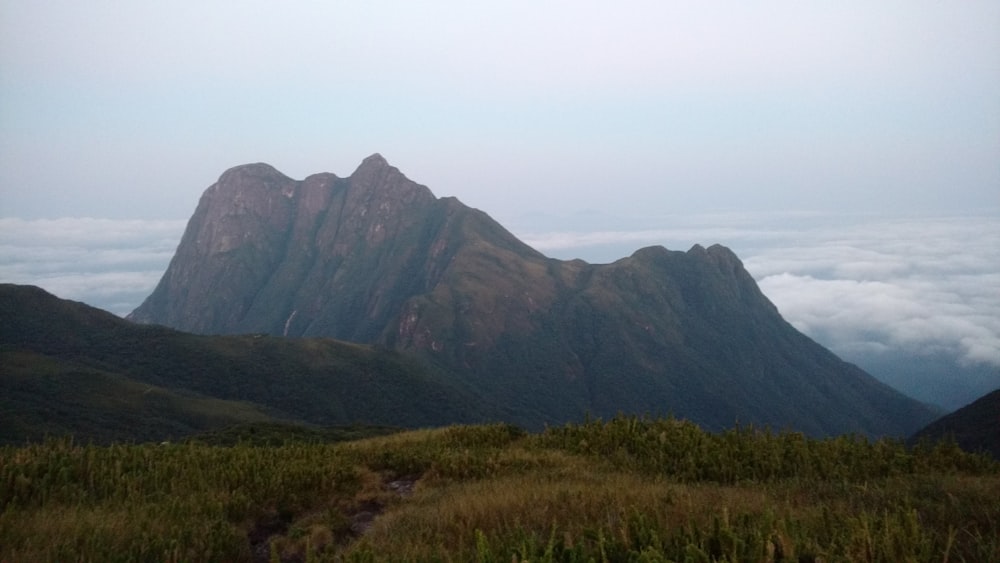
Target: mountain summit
<point>377,258</point>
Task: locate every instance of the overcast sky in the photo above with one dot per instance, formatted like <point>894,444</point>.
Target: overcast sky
<point>848,151</point>
<point>131,109</point>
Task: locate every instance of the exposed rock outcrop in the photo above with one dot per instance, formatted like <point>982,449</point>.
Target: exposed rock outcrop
<point>377,258</point>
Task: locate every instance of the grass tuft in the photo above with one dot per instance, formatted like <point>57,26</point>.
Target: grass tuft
<point>621,490</point>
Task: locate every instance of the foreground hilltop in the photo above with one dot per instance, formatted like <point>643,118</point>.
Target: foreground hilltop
<point>628,489</point>
<point>376,258</point>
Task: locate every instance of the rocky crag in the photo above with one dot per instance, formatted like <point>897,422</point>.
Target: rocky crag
<point>376,258</point>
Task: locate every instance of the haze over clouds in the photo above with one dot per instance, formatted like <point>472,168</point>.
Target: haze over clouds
<point>129,110</point>
<point>111,264</point>
<point>915,285</point>
<point>807,137</point>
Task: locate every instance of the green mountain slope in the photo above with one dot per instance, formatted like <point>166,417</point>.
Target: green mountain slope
<point>974,427</point>
<point>65,365</point>
<point>42,396</point>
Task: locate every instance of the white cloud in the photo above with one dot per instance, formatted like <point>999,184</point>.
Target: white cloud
<point>903,314</point>
<point>918,285</point>
<point>89,232</point>
<point>111,264</point>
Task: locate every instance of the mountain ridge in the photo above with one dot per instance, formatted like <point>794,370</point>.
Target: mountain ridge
<point>69,368</point>
<point>376,258</point>
<point>975,427</point>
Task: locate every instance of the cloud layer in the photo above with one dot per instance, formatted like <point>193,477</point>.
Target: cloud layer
<point>111,264</point>
<point>894,296</point>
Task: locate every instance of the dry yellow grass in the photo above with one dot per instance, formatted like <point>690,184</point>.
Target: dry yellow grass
<point>492,493</point>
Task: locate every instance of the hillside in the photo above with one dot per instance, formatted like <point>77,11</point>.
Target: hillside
<point>974,427</point>
<point>376,258</point>
<point>66,367</point>
<point>623,490</point>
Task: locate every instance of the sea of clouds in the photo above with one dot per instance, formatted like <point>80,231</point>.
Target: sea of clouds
<point>110,264</point>
<point>915,301</point>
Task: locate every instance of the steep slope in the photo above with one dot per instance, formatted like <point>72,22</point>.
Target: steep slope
<point>67,367</point>
<point>322,257</point>
<point>41,397</point>
<point>974,427</point>
<point>376,258</point>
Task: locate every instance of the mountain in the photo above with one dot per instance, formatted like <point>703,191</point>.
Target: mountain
<point>68,368</point>
<point>376,258</point>
<point>974,427</point>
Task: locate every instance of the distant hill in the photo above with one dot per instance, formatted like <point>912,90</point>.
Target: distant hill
<point>67,368</point>
<point>376,258</point>
<point>933,376</point>
<point>974,427</point>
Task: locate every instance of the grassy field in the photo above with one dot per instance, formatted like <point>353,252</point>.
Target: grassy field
<point>627,489</point>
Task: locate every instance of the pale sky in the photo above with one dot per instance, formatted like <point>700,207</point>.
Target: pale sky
<point>131,109</point>
<point>848,151</point>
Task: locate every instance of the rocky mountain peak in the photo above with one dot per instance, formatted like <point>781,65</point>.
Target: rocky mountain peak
<point>248,177</point>
<point>724,255</point>
<point>377,182</point>
<point>251,170</point>
<point>375,160</point>
<point>375,169</point>
<point>375,258</point>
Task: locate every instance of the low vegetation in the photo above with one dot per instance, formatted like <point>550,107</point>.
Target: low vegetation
<point>626,489</point>
<point>70,369</point>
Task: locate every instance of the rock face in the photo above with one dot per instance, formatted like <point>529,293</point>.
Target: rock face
<point>377,258</point>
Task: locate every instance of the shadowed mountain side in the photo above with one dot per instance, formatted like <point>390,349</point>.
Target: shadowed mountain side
<point>41,397</point>
<point>376,258</point>
<point>63,356</point>
<point>682,332</point>
<point>974,427</point>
